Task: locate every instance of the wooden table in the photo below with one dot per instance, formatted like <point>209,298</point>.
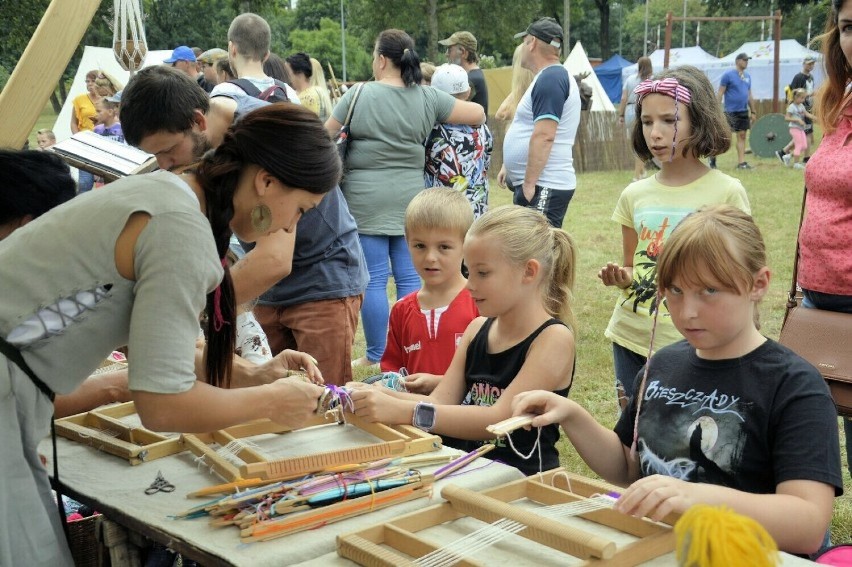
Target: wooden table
<point>116,489</point>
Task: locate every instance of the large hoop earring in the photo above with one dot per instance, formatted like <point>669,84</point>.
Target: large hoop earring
<point>261,218</point>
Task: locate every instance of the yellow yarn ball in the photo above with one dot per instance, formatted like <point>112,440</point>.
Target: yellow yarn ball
<point>716,536</point>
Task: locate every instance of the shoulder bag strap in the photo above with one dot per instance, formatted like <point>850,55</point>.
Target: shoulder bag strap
<point>15,356</point>
<point>358,88</point>
<point>791,297</point>
<point>247,86</point>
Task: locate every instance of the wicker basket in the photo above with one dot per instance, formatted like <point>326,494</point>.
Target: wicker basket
<point>86,548</point>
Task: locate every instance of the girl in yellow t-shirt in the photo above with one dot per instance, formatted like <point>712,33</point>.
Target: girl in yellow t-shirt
<point>678,121</point>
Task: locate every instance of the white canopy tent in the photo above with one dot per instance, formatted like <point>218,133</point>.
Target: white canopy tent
<point>761,67</point>
<point>763,51</point>
<point>694,56</point>
<point>577,63</point>
<point>103,59</point>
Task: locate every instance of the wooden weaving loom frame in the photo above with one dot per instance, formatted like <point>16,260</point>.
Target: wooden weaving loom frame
<point>133,443</point>
<point>396,543</point>
<point>395,441</point>
<point>103,429</point>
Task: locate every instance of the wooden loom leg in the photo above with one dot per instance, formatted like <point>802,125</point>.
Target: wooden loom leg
<point>121,550</point>
<point>542,530</point>
<point>41,66</point>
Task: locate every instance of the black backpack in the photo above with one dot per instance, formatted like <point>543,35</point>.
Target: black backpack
<point>275,93</point>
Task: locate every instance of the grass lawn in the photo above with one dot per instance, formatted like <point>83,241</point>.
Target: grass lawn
<point>775,194</point>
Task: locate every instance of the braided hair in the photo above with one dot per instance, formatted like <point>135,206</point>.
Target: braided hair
<point>289,142</point>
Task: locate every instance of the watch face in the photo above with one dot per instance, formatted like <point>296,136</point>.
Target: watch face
<point>424,416</point>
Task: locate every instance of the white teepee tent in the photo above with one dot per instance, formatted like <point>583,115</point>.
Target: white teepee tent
<point>576,63</point>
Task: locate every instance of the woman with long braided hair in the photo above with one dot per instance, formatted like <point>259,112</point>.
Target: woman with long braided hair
<point>135,264</point>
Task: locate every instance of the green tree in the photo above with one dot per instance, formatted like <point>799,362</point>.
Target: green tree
<point>199,23</point>
<point>428,21</point>
<point>19,21</point>
<point>324,45</point>
<point>310,12</point>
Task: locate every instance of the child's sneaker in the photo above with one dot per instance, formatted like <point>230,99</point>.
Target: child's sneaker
<point>781,155</point>
<point>786,159</point>
<point>798,166</point>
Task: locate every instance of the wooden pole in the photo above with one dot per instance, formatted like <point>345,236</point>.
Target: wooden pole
<point>668,40</point>
<point>775,101</point>
<point>41,66</point>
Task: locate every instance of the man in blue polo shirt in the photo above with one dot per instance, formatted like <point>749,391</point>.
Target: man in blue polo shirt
<point>735,90</point>
<point>538,163</point>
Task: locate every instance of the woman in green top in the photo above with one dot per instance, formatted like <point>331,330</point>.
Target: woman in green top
<point>384,168</point>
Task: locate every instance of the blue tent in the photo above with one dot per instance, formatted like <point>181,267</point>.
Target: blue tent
<point>609,74</point>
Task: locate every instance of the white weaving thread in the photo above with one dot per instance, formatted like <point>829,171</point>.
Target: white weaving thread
<point>230,452</point>
<point>501,529</point>
<point>536,446</point>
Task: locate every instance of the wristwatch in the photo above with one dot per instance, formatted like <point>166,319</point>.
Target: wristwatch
<point>424,416</point>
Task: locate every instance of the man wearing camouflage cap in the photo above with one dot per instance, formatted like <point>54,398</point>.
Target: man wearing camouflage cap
<point>462,50</point>
<point>207,60</point>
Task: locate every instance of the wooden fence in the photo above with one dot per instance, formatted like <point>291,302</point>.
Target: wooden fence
<point>601,143</point>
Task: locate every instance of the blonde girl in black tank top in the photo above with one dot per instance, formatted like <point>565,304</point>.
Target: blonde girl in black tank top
<point>521,273</point>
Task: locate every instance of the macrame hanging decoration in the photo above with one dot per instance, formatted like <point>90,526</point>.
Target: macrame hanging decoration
<point>128,35</point>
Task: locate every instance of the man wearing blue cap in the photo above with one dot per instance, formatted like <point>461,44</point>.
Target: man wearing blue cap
<point>183,58</point>
<point>735,91</point>
<point>538,165</point>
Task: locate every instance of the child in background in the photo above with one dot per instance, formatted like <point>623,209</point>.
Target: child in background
<point>796,114</point>
<point>727,417</point>
<point>45,138</point>
<point>426,326</point>
<point>458,155</point>
<point>107,116</point>
<point>521,277</point>
<point>108,125</point>
<point>678,121</point>
<point>251,342</point>
<point>427,69</point>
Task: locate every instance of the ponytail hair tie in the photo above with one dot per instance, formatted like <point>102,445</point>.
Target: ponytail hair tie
<point>405,51</point>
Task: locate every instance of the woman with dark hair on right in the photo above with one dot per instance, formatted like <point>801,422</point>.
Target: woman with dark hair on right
<point>274,67</point>
<point>627,107</point>
<point>72,294</point>
<point>301,72</point>
<point>825,239</point>
<point>384,168</point>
